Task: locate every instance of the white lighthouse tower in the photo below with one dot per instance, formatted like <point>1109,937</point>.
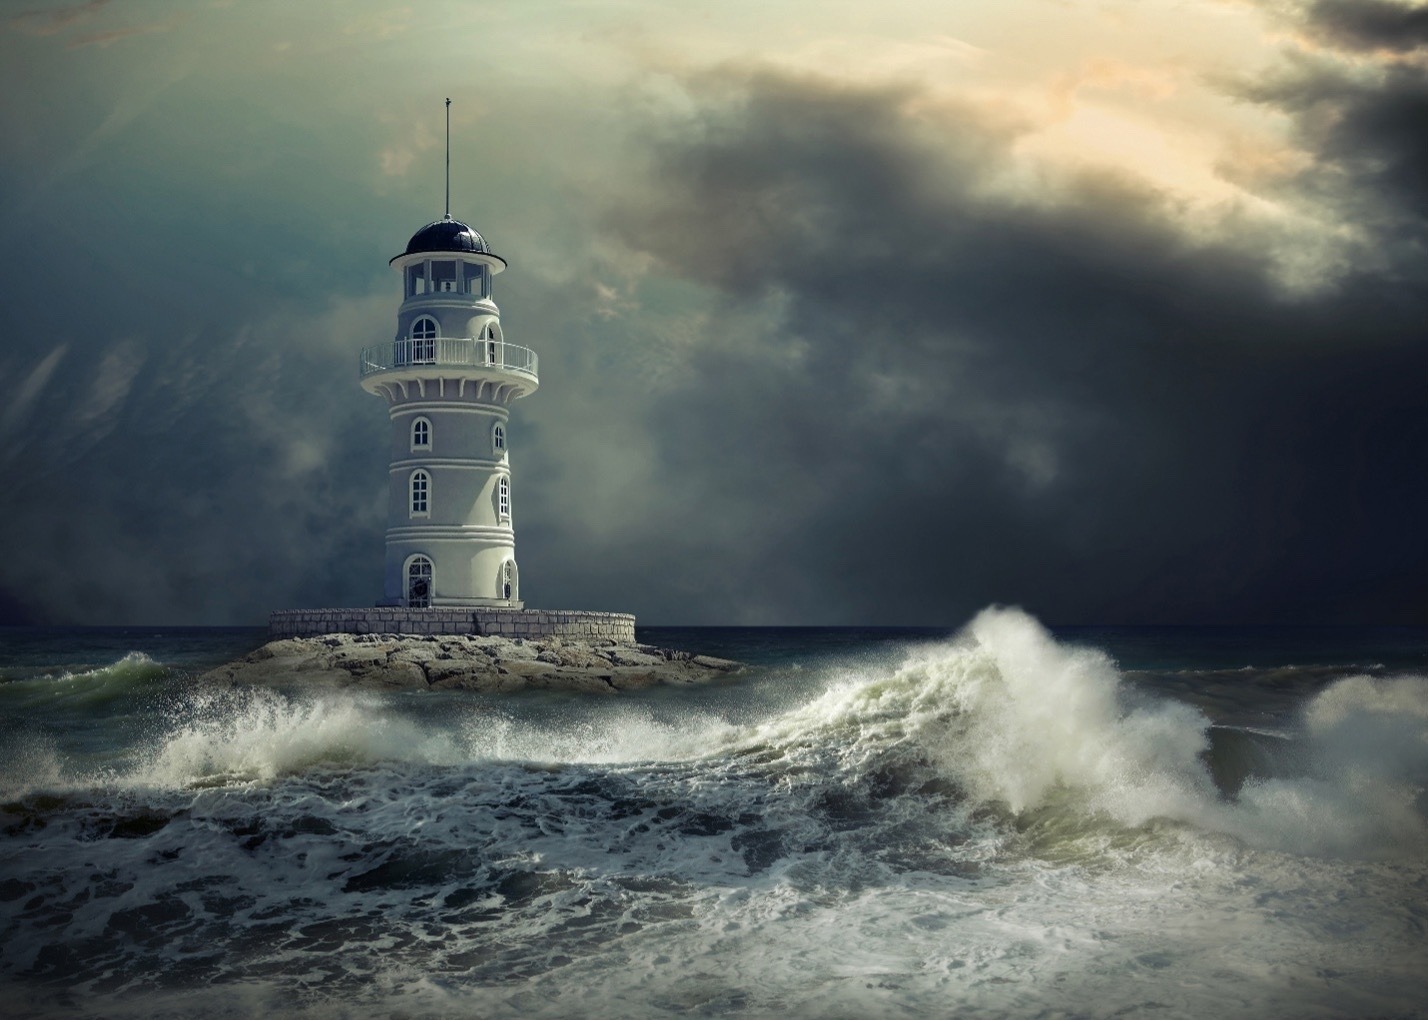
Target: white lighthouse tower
<point>449,378</point>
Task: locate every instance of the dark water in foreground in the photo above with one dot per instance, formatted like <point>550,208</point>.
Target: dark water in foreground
<point>864,824</point>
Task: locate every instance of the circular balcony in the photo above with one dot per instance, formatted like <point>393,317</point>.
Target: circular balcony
<point>496,370</point>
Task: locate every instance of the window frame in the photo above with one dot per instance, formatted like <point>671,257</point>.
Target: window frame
<point>503,498</point>
<point>435,266</point>
<point>423,343</point>
<point>419,493</point>
<point>416,427</point>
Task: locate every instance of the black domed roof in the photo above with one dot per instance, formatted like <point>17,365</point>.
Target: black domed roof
<point>447,235</point>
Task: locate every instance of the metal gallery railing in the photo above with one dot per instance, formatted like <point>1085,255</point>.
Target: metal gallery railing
<point>449,350</point>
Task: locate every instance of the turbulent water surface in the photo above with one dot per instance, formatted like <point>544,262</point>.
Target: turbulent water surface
<point>996,822</point>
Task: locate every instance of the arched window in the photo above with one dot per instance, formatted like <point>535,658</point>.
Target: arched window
<point>503,498</point>
<point>419,582</point>
<point>423,342</point>
<point>420,493</point>
<point>498,438</point>
<point>421,434</point>
<point>510,587</point>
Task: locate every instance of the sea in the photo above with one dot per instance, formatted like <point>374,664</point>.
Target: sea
<point>991,819</point>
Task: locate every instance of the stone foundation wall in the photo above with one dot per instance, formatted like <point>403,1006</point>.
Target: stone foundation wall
<point>510,623</point>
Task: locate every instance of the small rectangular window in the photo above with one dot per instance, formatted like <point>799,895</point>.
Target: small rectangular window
<point>471,278</point>
<point>443,277</point>
<point>416,279</point>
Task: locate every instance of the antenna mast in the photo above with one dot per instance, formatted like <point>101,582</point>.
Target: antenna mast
<point>448,157</point>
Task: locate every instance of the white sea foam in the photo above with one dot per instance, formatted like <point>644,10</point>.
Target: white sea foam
<point>1364,761</point>
<point>877,848</point>
<point>1016,718</point>
<point>257,734</point>
<point>29,762</point>
<point>617,735</point>
<point>129,662</point>
<point>1004,711</point>
<point>1039,716</point>
<point>1013,717</point>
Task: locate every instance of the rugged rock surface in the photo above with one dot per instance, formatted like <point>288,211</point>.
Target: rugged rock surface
<point>491,664</point>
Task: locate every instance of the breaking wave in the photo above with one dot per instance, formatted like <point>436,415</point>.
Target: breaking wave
<point>257,735</point>
<point>1023,723</point>
<point>91,688</point>
<point>1006,716</point>
<point>964,820</point>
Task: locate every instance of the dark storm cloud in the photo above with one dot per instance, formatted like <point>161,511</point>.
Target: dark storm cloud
<point>196,256</point>
<point>1369,24</point>
<point>172,445</point>
<point>173,480</point>
<point>1368,135</point>
<point>195,265</point>
<point>1060,401</point>
<point>917,391</point>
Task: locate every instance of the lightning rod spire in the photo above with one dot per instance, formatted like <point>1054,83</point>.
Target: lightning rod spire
<point>448,157</point>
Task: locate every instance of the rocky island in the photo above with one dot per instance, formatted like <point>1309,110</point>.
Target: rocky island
<point>485,663</point>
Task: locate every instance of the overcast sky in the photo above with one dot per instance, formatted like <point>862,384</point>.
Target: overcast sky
<point>847,312</point>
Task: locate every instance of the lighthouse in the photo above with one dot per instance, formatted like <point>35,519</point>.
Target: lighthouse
<point>449,378</point>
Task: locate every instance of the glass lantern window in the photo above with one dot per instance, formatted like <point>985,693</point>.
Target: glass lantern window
<point>443,277</point>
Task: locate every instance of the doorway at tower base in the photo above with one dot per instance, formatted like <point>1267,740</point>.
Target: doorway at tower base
<point>531,624</point>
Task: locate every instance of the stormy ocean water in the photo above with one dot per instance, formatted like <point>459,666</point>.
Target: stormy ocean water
<point>997,821</point>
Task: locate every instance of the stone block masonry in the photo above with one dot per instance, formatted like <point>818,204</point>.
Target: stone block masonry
<point>532,624</point>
